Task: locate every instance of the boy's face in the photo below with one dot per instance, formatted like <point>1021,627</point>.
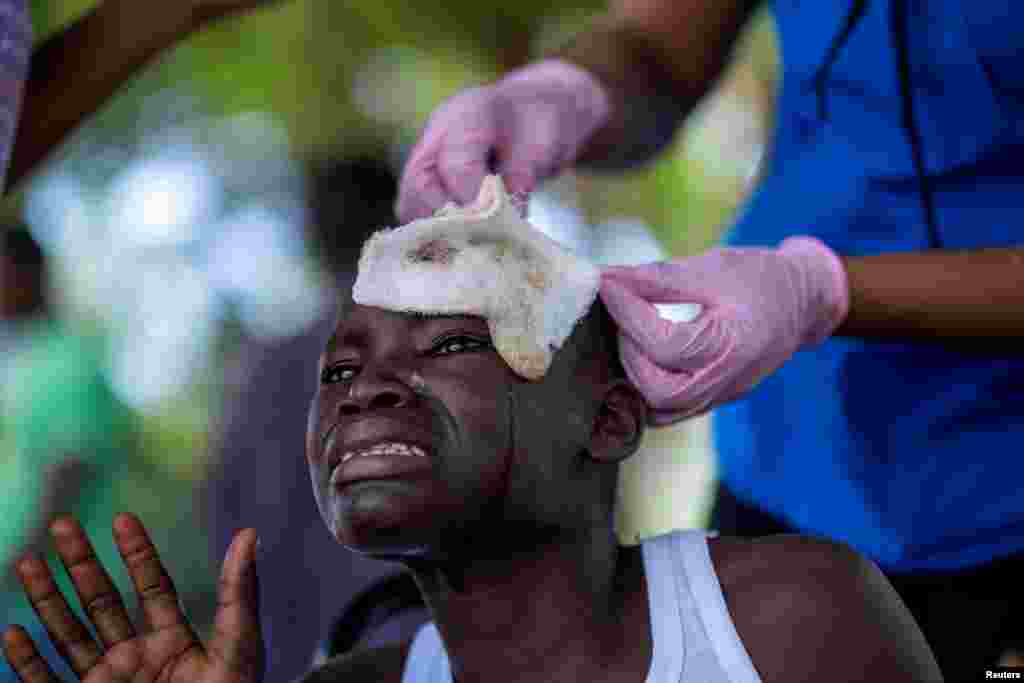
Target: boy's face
<point>479,443</point>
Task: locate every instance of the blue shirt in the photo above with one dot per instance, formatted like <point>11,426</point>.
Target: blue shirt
<point>909,452</point>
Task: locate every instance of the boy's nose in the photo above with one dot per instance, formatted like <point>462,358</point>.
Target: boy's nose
<point>374,394</point>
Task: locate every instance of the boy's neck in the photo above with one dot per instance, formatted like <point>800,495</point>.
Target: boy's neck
<point>568,610</point>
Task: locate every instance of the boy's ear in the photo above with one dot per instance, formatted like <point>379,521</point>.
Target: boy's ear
<point>620,423</point>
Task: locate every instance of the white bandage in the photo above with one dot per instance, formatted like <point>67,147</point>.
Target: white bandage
<point>483,260</point>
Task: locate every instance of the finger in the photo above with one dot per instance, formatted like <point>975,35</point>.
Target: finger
<point>672,345</point>
<point>237,642</point>
<point>660,282</point>
<point>97,593</point>
<point>69,635</point>
<point>530,152</point>
<point>679,395</point>
<point>24,658</point>
<point>665,418</point>
<point>462,160</point>
<point>421,192</point>
<point>157,595</point>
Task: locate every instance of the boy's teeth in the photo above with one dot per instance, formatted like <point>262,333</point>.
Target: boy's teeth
<point>391,448</point>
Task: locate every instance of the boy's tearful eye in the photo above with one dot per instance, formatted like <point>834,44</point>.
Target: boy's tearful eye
<point>451,345</point>
<point>338,373</point>
<point>458,344</point>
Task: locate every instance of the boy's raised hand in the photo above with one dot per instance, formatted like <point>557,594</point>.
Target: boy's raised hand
<point>168,649</point>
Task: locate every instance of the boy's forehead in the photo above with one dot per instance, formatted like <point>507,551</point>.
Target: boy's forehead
<point>348,309</point>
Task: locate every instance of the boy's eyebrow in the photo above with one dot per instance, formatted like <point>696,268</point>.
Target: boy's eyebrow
<point>452,316</point>
<point>353,336</point>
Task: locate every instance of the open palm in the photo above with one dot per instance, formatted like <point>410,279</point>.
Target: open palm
<point>169,651</point>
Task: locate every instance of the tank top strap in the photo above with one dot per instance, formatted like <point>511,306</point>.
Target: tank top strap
<point>708,603</point>
<point>427,662</point>
<point>668,640</point>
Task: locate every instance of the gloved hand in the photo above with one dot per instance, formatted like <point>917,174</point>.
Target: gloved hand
<point>760,306</point>
<point>530,124</point>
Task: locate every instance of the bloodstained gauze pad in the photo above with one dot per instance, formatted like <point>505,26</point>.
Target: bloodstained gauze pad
<point>484,260</point>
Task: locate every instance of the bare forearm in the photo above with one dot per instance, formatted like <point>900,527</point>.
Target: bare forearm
<point>657,59</point>
<point>77,70</point>
<point>971,298</point>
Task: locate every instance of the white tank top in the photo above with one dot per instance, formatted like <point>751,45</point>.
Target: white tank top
<point>695,640</point>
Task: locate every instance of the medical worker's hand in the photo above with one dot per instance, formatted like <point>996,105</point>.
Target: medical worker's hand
<point>169,649</point>
<point>760,306</point>
<point>526,127</point>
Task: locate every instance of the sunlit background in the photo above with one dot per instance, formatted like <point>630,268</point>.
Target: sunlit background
<point>174,220</point>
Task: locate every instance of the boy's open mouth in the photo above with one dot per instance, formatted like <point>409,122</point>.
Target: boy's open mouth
<point>377,458</point>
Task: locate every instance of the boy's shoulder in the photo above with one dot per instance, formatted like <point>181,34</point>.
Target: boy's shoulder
<point>782,557</point>
<point>384,664</point>
<point>805,602</point>
<point>771,581</point>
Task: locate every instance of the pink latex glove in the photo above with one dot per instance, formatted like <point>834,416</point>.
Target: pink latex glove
<point>760,306</point>
<point>532,124</point>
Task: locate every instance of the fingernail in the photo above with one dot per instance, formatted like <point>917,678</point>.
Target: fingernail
<point>231,548</point>
<point>28,563</point>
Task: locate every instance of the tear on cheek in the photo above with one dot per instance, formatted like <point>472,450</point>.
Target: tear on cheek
<point>420,388</point>
<point>418,384</point>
